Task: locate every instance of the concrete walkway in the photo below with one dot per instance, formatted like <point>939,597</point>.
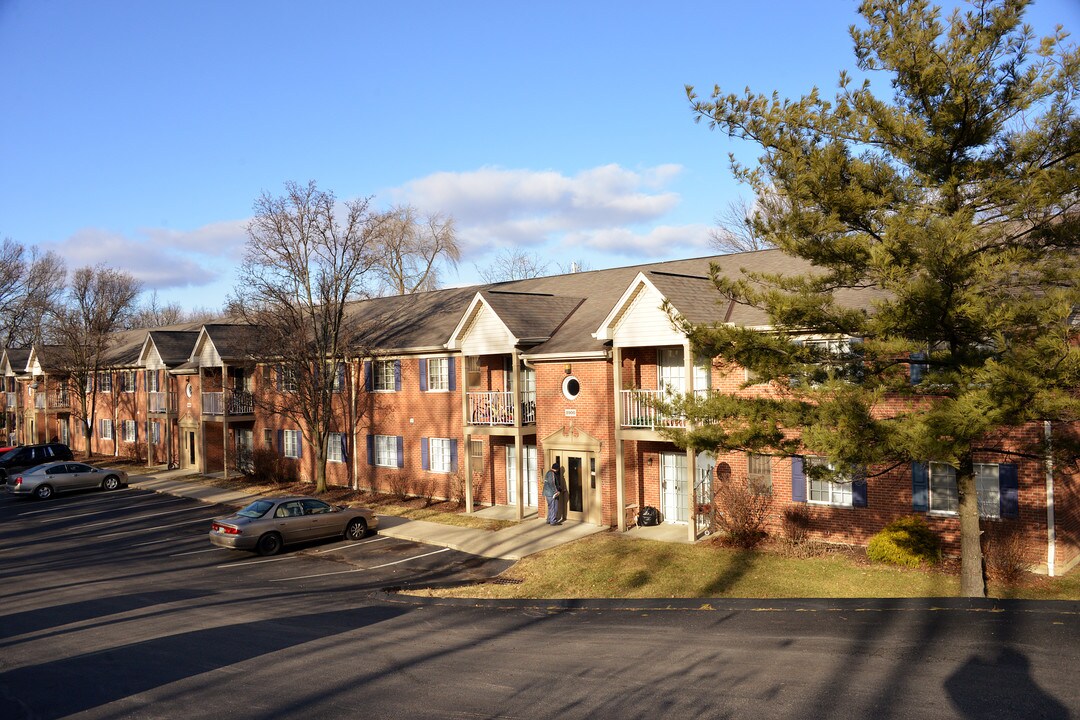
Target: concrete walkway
<point>530,536</point>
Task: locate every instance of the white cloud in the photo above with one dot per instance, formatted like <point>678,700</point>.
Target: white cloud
<point>225,238</point>
<point>495,207</point>
<point>665,241</point>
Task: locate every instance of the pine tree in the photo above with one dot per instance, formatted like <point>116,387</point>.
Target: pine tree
<point>953,205</point>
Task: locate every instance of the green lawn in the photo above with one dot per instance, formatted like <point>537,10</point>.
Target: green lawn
<point>608,565</point>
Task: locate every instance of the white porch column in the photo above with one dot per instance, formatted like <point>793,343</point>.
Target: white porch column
<point>691,456</point>
<point>620,462</point>
<point>225,421</point>
<point>468,438</point>
<point>515,374</point>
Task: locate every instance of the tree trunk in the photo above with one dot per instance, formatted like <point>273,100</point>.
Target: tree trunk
<point>972,580</point>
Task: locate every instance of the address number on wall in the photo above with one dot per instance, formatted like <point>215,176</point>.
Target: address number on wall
<point>570,412</point>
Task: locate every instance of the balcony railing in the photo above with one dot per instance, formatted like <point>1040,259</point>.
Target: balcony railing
<point>639,410</point>
<point>161,402</point>
<point>240,403</point>
<point>59,401</point>
<point>497,408</point>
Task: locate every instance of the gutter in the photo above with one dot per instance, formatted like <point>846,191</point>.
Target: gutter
<point>1051,530</point>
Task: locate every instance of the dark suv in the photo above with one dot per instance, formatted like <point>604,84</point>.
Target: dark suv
<point>26,456</point>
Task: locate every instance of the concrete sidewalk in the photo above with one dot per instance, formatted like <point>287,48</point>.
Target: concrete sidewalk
<point>527,537</point>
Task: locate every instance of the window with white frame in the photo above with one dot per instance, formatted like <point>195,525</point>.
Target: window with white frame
<point>105,382</point>
<point>438,370</point>
<point>290,441</point>
<point>127,381</point>
<point>386,450</point>
<point>339,377</point>
<point>88,386</point>
<point>288,378</point>
<point>334,452</point>
<point>105,429</point>
<point>152,381</point>
<point>383,375</point>
<point>155,432</point>
<point>439,455</point>
<point>268,437</point>
<point>759,473</point>
<point>127,427</point>
<point>944,497</point>
<point>827,491</point>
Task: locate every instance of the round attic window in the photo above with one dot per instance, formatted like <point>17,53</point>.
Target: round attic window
<point>571,387</point>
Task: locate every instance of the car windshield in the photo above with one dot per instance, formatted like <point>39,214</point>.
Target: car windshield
<point>256,509</point>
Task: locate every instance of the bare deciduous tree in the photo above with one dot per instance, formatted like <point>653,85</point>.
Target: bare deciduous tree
<point>82,327</point>
<point>153,314</point>
<point>735,229</point>
<point>29,283</point>
<point>513,264</point>
<point>411,246</point>
<point>307,257</point>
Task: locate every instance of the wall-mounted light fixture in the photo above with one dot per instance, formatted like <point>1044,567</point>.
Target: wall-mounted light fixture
<point>566,368</point>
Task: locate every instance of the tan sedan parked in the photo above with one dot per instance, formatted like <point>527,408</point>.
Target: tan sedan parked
<point>267,524</point>
<point>42,481</point>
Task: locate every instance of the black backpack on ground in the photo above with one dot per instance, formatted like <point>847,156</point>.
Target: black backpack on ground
<point>649,516</point>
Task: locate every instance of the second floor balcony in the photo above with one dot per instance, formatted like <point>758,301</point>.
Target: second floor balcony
<point>497,408</point>
<point>161,402</point>
<point>640,410</point>
<point>237,402</point>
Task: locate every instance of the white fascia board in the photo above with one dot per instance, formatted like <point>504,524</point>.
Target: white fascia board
<point>551,357</point>
<point>606,330</point>
<point>196,351</point>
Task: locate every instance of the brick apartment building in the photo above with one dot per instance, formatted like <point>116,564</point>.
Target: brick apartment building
<point>495,383</point>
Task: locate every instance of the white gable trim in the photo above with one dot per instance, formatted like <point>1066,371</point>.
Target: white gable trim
<point>204,353</point>
<point>481,331</point>
<point>638,319</point>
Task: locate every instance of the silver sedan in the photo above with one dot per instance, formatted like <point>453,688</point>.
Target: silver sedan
<point>42,481</point>
<point>267,524</point>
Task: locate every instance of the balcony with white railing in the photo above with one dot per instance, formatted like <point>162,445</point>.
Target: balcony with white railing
<point>158,402</point>
<point>239,402</point>
<point>59,400</point>
<point>639,410</point>
<point>497,408</point>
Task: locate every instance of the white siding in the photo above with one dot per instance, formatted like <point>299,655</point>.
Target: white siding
<point>487,335</point>
<point>208,354</point>
<point>645,324</point>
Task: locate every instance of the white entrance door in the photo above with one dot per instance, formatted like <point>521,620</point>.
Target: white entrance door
<point>673,487</point>
<point>528,480</point>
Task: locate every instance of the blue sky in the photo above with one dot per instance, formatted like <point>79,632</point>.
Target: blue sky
<point>139,134</point>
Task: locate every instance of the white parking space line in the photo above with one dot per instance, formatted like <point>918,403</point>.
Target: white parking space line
<point>99,512</point>
<point>156,527</point>
<point>198,552</point>
<point>346,547</point>
<point>354,570</point>
<point>242,563</point>
<point>60,507</point>
<point>129,519</point>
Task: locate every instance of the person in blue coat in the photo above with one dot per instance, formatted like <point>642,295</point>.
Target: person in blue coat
<point>551,494</point>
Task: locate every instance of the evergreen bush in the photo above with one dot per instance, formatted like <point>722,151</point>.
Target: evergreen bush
<point>907,541</point>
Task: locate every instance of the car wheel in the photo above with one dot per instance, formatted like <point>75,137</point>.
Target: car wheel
<point>110,483</point>
<point>269,544</point>
<point>356,529</point>
<point>43,492</point>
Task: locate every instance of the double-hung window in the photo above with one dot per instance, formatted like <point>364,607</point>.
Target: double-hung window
<point>827,491</point>
<point>386,450</point>
<point>155,432</point>
<point>287,378</point>
<point>759,473</point>
<point>439,455</point>
<point>127,381</point>
<point>128,428</point>
<point>438,374</point>
<point>383,375</point>
<point>290,443</point>
<point>944,497</point>
<point>105,429</point>
<point>105,382</point>
<point>334,448</point>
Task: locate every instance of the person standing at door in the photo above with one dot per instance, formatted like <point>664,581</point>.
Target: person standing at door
<point>551,494</point>
<point>564,495</point>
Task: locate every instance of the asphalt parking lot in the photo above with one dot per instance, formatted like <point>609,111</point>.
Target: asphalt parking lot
<point>141,537</point>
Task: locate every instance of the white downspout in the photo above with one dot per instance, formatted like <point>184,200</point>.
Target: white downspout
<point>1051,531</point>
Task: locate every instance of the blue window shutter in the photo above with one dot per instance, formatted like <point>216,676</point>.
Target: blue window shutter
<point>280,372</point>
<point>281,443</point>
<point>136,430</point>
<point>368,382</point>
<point>423,374</point>
<point>344,447</point>
<point>858,490</point>
<point>920,487</point>
<point>397,376</point>
<point>370,449</point>
<point>453,454</point>
<point>425,463</point>
<point>798,480</point>
<point>917,369</point>
<point>341,376</point>
<point>400,451</point>
<point>1009,486</point>
<point>299,445</point>
<point>452,373</point>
